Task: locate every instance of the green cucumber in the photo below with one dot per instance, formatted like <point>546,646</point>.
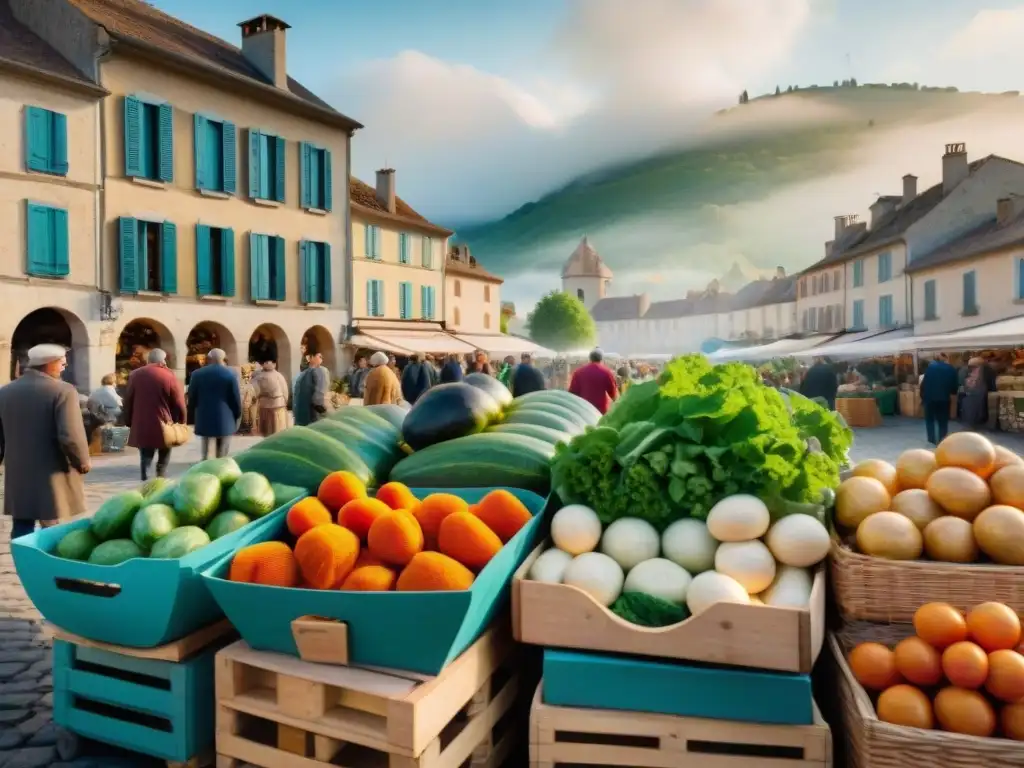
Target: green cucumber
<point>556,409</point>
<point>562,398</point>
<point>379,458</point>
<point>368,422</point>
<point>544,418</point>
<point>546,434</point>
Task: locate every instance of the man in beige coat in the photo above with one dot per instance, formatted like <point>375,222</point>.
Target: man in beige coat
<point>381,386</point>
<point>42,439</point>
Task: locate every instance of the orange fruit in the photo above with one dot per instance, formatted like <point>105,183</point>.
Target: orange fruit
<point>940,624</point>
<point>435,508</point>
<point>918,662</point>
<point>339,488</point>
<point>465,538</point>
<point>434,572</point>
<point>395,537</point>
<point>961,711</point>
<point>914,467</point>
<point>358,515</point>
<point>397,496</point>
<point>969,450</point>
<point>874,666</point>
<point>994,626</point>
<point>503,513</point>
<point>905,705</point>
<point>965,664</point>
<point>305,514</point>
<point>882,471</point>
<point>1012,720</point>
<point>1006,676</point>
<point>326,555</point>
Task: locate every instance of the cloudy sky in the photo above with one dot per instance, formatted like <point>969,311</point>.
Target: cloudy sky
<point>481,106</point>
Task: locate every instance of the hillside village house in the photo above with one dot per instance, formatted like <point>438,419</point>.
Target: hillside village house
<point>397,273</point>
<point>864,281</point>
<point>472,297</point>
<point>49,197</point>
<point>224,200</point>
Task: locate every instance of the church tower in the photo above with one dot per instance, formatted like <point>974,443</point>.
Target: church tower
<point>585,275</point>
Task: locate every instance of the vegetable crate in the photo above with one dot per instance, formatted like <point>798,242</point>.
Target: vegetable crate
<point>417,631</point>
<point>157,701</point>
<point>562,736</point>
<point>756,636</point>
<point>140,603</point>
<point>274,710</point>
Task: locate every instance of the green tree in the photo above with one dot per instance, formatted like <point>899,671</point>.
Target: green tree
<point>777,91</point>
<point>561,322</point>
<point>503,323</point>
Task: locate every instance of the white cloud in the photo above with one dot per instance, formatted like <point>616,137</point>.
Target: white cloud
<point>620,80</point>
<point>989,33</point>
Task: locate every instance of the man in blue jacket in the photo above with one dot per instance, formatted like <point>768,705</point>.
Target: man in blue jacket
<point>215,403</point>
<point>938,385</point>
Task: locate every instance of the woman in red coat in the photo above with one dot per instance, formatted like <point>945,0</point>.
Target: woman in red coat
<point>155,397</point>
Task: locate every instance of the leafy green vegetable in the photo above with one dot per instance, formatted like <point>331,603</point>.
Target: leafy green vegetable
<point>676,446</point>
<point>647,610</point>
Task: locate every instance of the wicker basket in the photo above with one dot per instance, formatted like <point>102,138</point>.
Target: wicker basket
<point>859,411</point>
<point>874,589</point>
<point>870,743</point>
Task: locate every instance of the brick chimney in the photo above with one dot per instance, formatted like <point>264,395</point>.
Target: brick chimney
<point>263,47</point>
<point>386,188</point>
<point>842,222</point>
<point>954,166</point>
<point>909,188</point>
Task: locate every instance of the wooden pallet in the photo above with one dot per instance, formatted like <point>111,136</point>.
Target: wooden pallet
<point>563,736</point>
<point>175,651</point>
<point>277,711</point>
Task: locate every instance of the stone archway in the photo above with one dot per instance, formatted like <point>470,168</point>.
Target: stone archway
<point>203,337</point>
<point>51,325</point>
<point>270,342</point>
<point>137,338</point>
<point>319,339</point>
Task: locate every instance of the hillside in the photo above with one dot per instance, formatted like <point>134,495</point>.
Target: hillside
<point>743,156</point>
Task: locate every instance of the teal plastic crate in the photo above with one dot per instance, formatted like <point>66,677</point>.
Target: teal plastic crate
<point>597,681</point>
<point>158,708</point>
<point>139,603</point>
<point>417,631</point>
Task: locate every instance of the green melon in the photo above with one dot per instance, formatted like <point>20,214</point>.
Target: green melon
<point>180,542</point>
<point>115,552</point>
<point>152,523</point>
<point>225,523</point>
<point>77,544</point>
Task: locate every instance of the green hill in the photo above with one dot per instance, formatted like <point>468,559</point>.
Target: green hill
<point>742,154</point>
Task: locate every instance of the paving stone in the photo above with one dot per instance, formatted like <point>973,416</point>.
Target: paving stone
<point>11,717</point>
<point>69,746</point>
<point>46,700</point>
<point>31,757</point>
<point>32,656</point>
<point>46,736</point>
<point>18,700</point>
<point>10,738</point>
<point>12,669</point>
<point>36,723</point>
<point>22,686</point>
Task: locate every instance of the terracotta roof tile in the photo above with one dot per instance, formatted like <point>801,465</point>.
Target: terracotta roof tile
<point>365,196</point>
<point>20,45</point>
<point>473,270</point>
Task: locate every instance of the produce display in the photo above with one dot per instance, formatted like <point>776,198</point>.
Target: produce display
<point>166,520</point>
<point>962,503</point>
<point>740,554</point>
<point>959,673</point>
<point>346,539</point>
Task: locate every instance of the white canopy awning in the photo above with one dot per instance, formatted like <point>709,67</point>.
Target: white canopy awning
<point>408,342</point>
<point>780,348</point>
<point>1003,333</point>
<point>861,345</point>
<point>503,343</point>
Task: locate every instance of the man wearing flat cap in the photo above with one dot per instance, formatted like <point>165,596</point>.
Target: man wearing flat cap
<point>43,443</point>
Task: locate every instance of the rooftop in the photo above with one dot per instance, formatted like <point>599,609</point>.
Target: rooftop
<point>454,265</point>
<point>22,48</point>
<point>364,196</point>
<point>585,262</point>
<point>620,308</point>
<point>987,238</point>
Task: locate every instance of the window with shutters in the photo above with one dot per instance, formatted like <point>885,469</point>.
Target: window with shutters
<point>1019,280</point>
<point>405,301</point>
<point>46,141</point>
<point>216,151</point>
<point>427,253</point>
<point>315,177</point>
<point>970,293</point>
<point>835,280</point>
<point>930,301</point>
<point>427,298</point>
<point>46,241</point>
<point>266,166</point>
<point>375,298</point>
<point>458,290</point>
<point>858,273</point>
<point>487,293</point>
<point>858,315</point>
<point>215,261</point>
<point>884,267</point>
<point>148,256</point>
<point>404,248</point>
<point>148,139</point>
<point>371,241</point>
<point>314,272</point>
<point>266,267</point>
<point>885,314</point>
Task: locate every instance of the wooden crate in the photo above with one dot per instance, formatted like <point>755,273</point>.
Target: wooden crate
<point>156,701</point>
<point>563,736</point>
<point>859,411</point>
<point>276,711</point>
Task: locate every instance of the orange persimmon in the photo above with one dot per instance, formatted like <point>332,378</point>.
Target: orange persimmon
<point>435,508</point>
<point>358,515</point>
<point>465,538</point>
<point>339,488</point>
<point>503,513</point>
<point>305,514</point>
<point>271,563</point>
<point>434,572</point>
<point>370,578</point>
<point>395,537</point>
<point>397,496</point>
<point>326,555</point>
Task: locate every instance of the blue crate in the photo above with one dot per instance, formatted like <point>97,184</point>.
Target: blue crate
<point>599,681</point>
<point>139,603</point>
<point>159,708</point>
<point>417,631</point>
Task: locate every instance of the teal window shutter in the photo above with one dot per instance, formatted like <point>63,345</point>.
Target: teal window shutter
<point>58,143</point>
<point>227,262</point>
<point>204,261</point>
<point>431,314</point>
<point>37,139</point>
<point>403,248</point>
<point>306,175</point>
<point>229,157</point>
<point>402,292</point>
<point>168,257</point>
<point>424,302</point>
<point>306,266</point>
<point>61,264</point>
<point>279,269</point>
<point>929,300</point>
<point>255,163</point>
<point>129,254</point>
<point>327,181</point>
<point>255,266</point>
<point>279,169</point>
<point>325,272</point>
<point>380,297</point>
<point>427,256</point>
<point>369,299</point>
<point>970,299</point>
<point>368,241</point>
<point>376,243</point>
<point>199,131</point>
<point>166,133</point>
<point>1020,278</point>
<point>132,138</point>
<point>39,244</point>
<point>858,313</point>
